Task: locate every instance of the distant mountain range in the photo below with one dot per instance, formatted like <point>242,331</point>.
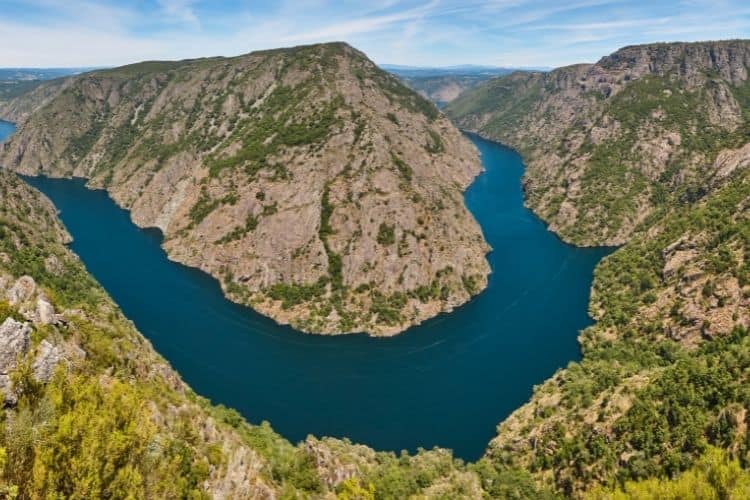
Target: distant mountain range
<point>443,84</point>
<point>28,74</point>
<point>18,81</point>
<point>463,70</point>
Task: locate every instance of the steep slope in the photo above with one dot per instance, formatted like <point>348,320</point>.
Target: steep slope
<point>648,147</point>
<point>89,407</point>
<point>18,100</point>
<point>443,89</point>
<point>22,90</point>
<point>91,411</point>
<point>607,144</point>
<point>665,370</point>
<point>316,187</point>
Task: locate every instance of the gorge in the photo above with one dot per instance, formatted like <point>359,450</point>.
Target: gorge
<point>645,149</point>
<point>414,390</point>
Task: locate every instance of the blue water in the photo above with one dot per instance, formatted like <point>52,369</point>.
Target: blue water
<point>448,382</point>
<point>6,128</point>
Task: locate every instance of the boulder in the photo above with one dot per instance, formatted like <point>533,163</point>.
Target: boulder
<point>21,291</point>
<point>45,312</point>
<point>15,339</point>
<point>53,265</point>
<point>47,359</point>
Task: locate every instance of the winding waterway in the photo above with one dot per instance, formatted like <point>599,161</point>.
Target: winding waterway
<point>447,382</point>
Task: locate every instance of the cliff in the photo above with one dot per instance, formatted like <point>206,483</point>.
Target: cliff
<point>609,144</point>
<point>318,189</point>
<point>647,148</point>
<point>664,367</point>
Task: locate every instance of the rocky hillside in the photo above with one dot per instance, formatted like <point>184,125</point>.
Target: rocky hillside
<point>443,85</point>
<point>608,144</point>
<point>666,368</point>
<point>89,410</point>
<point>443,89</point>
<point>317,188</point>
<point>18,100</point>
<point>89,407</point>
<point>649,147</point>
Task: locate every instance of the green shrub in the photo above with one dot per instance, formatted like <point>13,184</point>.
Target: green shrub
<point>386,234</point>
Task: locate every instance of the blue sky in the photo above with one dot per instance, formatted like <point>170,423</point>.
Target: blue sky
<point>415,32</point>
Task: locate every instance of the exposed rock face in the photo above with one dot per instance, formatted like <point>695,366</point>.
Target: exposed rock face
<point>24,295</point>
<point>328,465</point>
<point>21,291</point>
<point>316,187</point>
<point>608,143</point>
<point>45,312</point>
<point>443,89</point>
<point>14,343</point>
<point>47,359</point>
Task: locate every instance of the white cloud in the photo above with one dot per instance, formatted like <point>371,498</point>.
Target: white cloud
<point>603,25</point>
<point>426,32</point>
<point>363,25</point>
<point>180,11</point>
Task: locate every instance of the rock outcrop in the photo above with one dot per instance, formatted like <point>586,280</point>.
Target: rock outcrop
<point>21,291</point>
<point>317,188</point>
<point>46,360</point>
<point>14,344</point>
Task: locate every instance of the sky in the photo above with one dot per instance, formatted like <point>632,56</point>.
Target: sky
<point>515,33</point>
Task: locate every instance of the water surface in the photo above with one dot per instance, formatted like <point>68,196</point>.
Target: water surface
<point>6,128</point>
<point>448,382</point>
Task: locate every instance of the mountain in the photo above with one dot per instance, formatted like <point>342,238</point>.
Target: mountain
<point>443,89</point>
<point>461,70</point>
<point>317,188</point>
<point>658,406</point>
<point>665,368</point>
<point>647,149</point>
<point>609,144</point>
<point>442,85</point>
